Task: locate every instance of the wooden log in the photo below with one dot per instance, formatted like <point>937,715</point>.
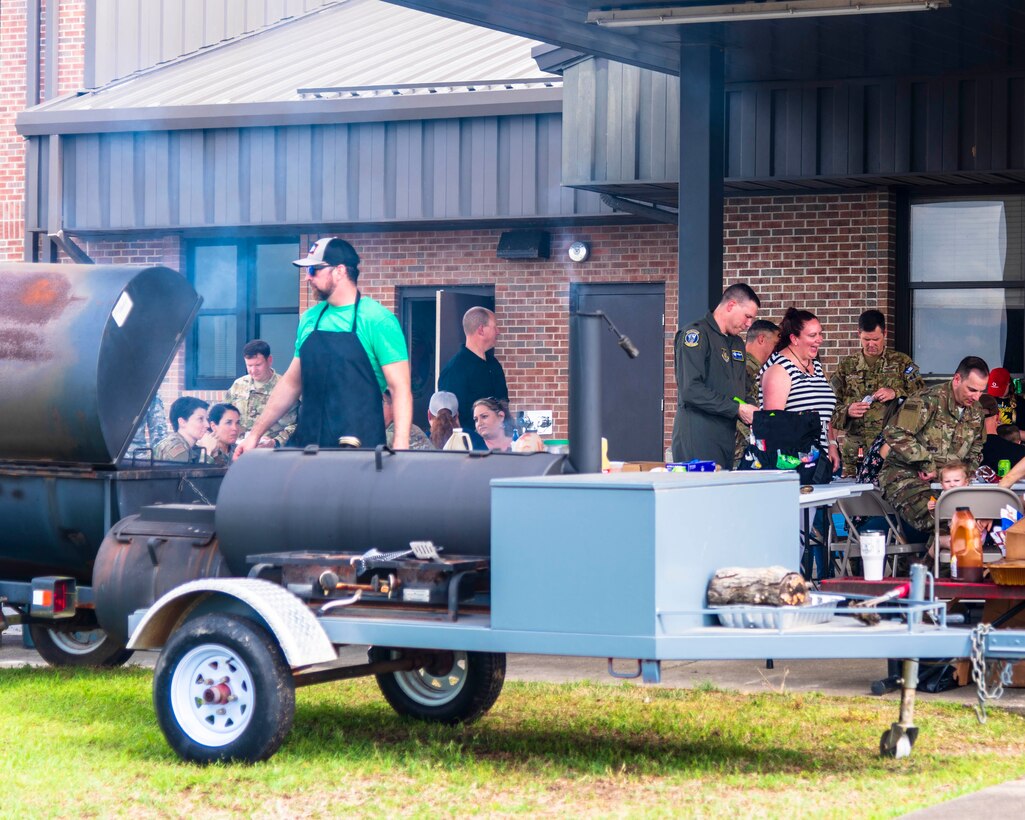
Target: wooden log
<point>763,586</point>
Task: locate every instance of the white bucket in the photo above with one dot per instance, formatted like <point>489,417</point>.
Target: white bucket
<point>873,555</point>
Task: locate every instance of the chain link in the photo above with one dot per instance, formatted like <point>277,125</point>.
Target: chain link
<point>978,660</point>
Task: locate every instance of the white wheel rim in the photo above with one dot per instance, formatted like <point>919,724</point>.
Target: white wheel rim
<point>207,668</point>
<point>430,690</point>
<point>79,642</point>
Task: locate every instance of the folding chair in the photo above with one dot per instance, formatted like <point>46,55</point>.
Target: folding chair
<point>871,505</point>
<point>984,500</point>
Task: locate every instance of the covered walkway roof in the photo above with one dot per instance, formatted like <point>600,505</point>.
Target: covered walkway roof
<point>967,35</point>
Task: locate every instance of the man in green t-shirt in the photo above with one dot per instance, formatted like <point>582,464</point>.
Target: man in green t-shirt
<point>349,350</point>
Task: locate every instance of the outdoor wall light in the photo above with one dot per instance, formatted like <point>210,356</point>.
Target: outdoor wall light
<point>765,10</point>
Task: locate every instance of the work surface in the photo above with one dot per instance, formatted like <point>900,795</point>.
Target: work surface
<point>945,588</point>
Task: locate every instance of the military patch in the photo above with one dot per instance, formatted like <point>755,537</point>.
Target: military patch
<point>725,355</point>
<point>691,338</point>
<point>738,355</point>
<point>909,370</point>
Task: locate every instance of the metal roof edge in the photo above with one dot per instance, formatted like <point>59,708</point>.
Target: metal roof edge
<point>36,123</point>
<point>501,222</point>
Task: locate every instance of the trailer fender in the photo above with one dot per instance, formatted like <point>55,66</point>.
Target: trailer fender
<point>286,617</point>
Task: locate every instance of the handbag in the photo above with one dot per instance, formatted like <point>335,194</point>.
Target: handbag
<point>788,440</point>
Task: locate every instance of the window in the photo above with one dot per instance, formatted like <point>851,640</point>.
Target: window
<point>250,290</point>
<point>967,282</point>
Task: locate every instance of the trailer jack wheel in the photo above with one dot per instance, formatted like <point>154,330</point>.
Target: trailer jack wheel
<point>223,691</point>
<point>453,687</point>
<point>897,741</point>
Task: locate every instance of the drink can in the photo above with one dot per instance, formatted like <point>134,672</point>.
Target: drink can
<point>1003,467</point>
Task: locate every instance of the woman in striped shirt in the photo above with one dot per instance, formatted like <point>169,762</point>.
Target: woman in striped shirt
<point>792,378</point>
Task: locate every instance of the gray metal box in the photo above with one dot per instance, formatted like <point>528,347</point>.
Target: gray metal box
<point>604,554</point>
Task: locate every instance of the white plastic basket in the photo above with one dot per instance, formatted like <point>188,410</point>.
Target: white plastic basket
<point>821,607</point>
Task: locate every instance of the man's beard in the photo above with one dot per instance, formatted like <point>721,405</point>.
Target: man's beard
<point>321,294</point>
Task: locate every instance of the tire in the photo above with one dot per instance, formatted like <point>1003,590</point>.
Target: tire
<point>458,688</point>
<point>77,644</point>
<point>212,658</point>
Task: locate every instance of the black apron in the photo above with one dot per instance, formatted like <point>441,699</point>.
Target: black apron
<point>340,392</point>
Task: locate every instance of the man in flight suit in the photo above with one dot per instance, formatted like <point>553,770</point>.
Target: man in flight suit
<point>711,378</point>
<point>877,373</point>
<point>940,424</point>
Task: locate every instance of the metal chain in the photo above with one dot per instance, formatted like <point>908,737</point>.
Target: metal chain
<point>978,660</point>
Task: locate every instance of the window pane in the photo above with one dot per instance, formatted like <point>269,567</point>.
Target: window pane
<point>217,345</point>
<point>277,279</point>
<point>951,324</point>
<point>968,240</point>
<point>216,275</point>
<point>278,330</point>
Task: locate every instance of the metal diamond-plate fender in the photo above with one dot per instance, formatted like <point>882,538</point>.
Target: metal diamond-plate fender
<point>296,629</point>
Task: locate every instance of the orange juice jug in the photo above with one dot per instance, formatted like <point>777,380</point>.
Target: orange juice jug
<point>965,546</point>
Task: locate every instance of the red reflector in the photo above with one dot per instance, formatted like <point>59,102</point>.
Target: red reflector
<point>60,596</point>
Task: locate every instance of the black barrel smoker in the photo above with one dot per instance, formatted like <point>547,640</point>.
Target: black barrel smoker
<point>308,518</point>
<point>83,349</point>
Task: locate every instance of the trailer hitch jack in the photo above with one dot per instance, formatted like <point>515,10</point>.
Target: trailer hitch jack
<point>899,739</point>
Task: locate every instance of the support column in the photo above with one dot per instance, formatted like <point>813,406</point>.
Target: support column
<point>702,167</point>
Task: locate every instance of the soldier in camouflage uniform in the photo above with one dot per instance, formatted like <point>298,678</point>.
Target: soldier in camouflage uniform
<point>251,392</point>
<point>192,440</point>
<point>759,344</point>
<point>883,374</point>
<point>940,424</point>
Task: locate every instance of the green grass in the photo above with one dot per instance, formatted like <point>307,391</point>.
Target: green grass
<point>86,744</point>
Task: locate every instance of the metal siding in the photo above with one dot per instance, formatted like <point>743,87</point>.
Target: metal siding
<point>478,168</point>
<point>1016,128</point>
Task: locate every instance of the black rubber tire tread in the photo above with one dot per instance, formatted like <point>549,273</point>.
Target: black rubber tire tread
<point>272,681</point>
<point>485,676</point>
<point>107,653</point>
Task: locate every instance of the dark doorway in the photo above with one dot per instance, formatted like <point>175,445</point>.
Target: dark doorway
<point>432,319</point>
<point>632,389</point>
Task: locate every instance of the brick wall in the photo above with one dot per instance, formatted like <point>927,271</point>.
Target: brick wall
<point>531,296</point>
<point>833,255</point>
<point>12,152</point>
<point>13,88</point>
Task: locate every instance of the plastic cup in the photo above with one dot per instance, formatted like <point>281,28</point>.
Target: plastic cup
<point>873,555</point>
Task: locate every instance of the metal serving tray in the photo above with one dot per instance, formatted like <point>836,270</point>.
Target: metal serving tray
<point>820,608</point>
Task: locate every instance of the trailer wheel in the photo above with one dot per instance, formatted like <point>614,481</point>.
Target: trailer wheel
<point>77,645</point>
<point>223,691</point>
<point>457,687</point>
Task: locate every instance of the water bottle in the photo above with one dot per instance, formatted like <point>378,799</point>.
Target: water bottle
<point>669,455</point>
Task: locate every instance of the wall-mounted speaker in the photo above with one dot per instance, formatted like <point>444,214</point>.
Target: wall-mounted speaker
<point>524,245</point>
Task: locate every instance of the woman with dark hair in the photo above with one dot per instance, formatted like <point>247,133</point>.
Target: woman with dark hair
<point>792,377</point>
<point>494,424</point>
<point>225,424</point>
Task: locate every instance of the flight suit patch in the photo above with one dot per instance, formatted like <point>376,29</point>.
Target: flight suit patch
<point>738,355</point>
<point>691,338</point>
<point>725,355</point>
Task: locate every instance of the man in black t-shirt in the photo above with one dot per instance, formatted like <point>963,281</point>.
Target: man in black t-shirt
<point>996,447</point>
<point>474,372</point>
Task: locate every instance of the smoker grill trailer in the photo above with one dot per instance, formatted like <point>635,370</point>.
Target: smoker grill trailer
<point>83,349</point>
<point>441,562</point>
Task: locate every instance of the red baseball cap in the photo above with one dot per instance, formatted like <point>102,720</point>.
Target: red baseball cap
<point>999,379</point>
